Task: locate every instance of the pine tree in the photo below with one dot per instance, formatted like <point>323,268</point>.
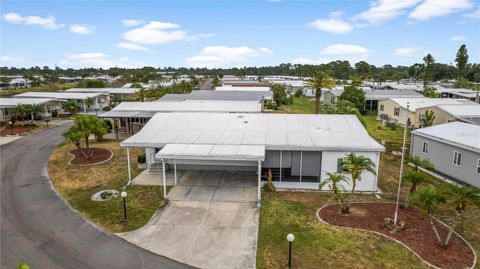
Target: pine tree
<point>461,60</point>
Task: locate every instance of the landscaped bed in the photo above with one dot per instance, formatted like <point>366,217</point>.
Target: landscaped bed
<point>19,129</point>
<point>98,155</point>
<point>417,235</point>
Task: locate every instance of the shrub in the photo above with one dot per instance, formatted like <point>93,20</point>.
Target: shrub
<point>289,100</point>
<point>298,93</point>
<point>271,105</point>
<point>269,187</point>
<point>108,123</point>
<point>393,127</point>
<point>3,123</point>
<point>107,108</point>
<point>141,158</point>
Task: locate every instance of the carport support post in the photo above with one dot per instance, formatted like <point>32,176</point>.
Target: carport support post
<point>129,169</point>
<point>175,171</point>
<point>259,183</point>
<point>164,181</point>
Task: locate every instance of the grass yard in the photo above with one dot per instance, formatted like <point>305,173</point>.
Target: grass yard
<point>76,184</point>
<point>323,246</point>
<point>300,105</point>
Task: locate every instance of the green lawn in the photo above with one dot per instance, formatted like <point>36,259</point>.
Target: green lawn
<point>300,105</point>
<point>76,184</point>
<point>322,246</point>
<point>60,86</point>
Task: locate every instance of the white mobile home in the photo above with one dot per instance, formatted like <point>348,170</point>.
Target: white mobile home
<point>121,93</point>
<point>47,106</point>
<point>100,100</point>
<point>298,149</point>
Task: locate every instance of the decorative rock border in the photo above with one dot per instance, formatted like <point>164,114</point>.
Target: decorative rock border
<point>97,197</point>
<point>104,161</point>
<point>396,240</point>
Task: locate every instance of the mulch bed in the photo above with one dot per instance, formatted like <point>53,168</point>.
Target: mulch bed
<point>99,155</point>
<point>418,234</point>
<point>16,130</point>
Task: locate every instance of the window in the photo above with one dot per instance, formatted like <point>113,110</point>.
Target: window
<point>339,165</point>
<point>478,166</point>
<point>457,158</point>
<point>396,111</point>
<point>425,147</point>
<point>421,117</point>
<point>332,100</point>
<point>450,120</point>
<point>382,107</point>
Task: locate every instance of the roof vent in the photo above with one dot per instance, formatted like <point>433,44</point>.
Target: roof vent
<point>240,116</point>
<point>245,122</point>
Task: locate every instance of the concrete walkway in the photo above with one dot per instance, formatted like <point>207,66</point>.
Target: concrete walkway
<point>211,221</point>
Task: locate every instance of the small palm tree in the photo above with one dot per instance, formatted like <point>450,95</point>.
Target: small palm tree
<point>428,119</point>
<point>461,196</point>
<point>428,200</point>
<point>414,179</point>
<point>142,94</point>
<point>317,81</point>
<point>334,181</point>
<point>356,165</point>
<point>89,102</point>
<point>419,162</point>
<point>20,111</point>
<point>71,107</point>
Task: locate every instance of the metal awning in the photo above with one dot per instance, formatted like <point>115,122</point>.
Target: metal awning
<point>212,152</point>
<point>127,114</point>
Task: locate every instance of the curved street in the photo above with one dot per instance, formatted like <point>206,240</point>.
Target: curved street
<point>39,228</point>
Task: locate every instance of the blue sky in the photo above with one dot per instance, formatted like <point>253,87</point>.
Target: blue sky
<point>235,33</point>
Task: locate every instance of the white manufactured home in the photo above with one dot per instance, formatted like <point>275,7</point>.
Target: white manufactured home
<point>298,149</point>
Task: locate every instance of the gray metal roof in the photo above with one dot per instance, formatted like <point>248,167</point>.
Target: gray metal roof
<point>459,134</point>
<point>219,95</point>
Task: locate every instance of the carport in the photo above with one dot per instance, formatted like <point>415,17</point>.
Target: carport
<point>217,155</point>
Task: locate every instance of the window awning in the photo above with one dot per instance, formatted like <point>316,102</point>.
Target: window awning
<point>212,152</point>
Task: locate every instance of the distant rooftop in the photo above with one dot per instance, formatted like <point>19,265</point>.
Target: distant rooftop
<point>59,95</point>
<point>122,90</point>
<point>219,95</point>
<point>416,103</point>
<point>13,102</point>
<point>463,110</point>
<point>242,89</point>
<point>456,133</point>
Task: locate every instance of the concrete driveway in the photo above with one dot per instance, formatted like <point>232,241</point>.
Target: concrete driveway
<point>211,221</point>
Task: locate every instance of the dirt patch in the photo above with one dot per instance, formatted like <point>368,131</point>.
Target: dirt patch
<point>418,234</point>
<point>98,155</point>
<point>16,130</point>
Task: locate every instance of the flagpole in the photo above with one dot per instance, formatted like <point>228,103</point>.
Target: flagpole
<point>401,166</point>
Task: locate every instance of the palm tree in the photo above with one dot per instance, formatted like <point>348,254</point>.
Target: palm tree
<point>355,165</point>
<point>89,102</point>
<point>428,119</point>
<point>20,111</point>
<point>142,94</point>
<point>242,73</point>
<point>33,110</point>
<point>461,196</point>
<point>414,179</point>
<point>428,199</point>
<point>83,126</point>
<point>71,107</point>
<point>317,81</point>
<point>334,181</point>
<point>419,162</point>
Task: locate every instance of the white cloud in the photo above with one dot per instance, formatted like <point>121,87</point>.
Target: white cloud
<point>348,52</point>
<point>131,46</point>
<point>131,22</point>
<point>406,53</point>
<point>384,10</point>
<point>81,29</point>
<point>458,38</point>
<point>97,60</point>
<point>46,23</point>
<point>156,32</point>
<point>437,8</point>
<point>215,56</point>
<point>12,59</point>
<point>473,15</point>
<point>265,50</point>
<point>334,24</point>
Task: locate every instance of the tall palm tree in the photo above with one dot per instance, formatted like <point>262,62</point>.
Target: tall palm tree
<point>334,181</point>
<point>414,179</point>
<point>317,81</point>
<point>419,162</point>
<point>356,165</point>
<point>428,119</point>
<point>461,196</point>
<point>428,199</point>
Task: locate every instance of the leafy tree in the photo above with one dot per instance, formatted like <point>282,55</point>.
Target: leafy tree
<point>317,81</point>
<point>334,181</point>
<point>5,79</point>
<point>83,126</point>
<point>428,62</point>
<point>89,102</point>
<point>362,69</point>
<point>183,87</point>
<point>354,95</point>
<point>428,119</point>
<point>141,94</point>
<point>279,93</point>
<point>71,107</point>
<point>242,73</point>
<point>216,82</point>
<point>356,165</point>
<point>429,91</point>
<point>33,110</point>
<point>94,83</point>
<point>461,59</point>
<point>428,200</point>
<point>345,107</point>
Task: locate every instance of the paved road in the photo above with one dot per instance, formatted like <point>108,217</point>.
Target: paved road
<point>207,86</point>
<point>37,227</point>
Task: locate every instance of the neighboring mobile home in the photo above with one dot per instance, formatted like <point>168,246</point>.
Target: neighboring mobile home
<point>453,148</point>
<point>121,93</point>
<point>48,107</point>
<point>100,100</point>
<point>298,149</point>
